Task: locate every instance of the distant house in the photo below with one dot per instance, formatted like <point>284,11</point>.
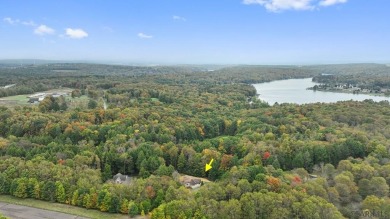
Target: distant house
<point>38,97</point>
<point>121,179</point>
<point>33,100</point>
<point>193,183</point>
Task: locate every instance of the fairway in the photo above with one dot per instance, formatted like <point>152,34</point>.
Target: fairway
<point>15,100</point>
<point>22,100</point>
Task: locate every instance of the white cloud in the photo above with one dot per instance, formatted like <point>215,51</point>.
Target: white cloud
<point>43,30</point>
<point>10,20</point>
<point>17,21</point>
<point>29,23</point>
<point>75,33</point>
<point>178,18</point>
<point>282,5</point>
<point>144,36</point>
<point>326,3</point>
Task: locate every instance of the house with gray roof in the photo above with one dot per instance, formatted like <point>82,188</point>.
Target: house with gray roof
<point>193,183</point>
<point>121,179</point>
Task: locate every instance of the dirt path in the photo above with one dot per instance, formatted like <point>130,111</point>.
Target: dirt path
<point>24,212</point>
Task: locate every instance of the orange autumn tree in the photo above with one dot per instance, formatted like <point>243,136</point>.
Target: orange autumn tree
<point>150,192</point>
<point>226,161</point>
<point>274,183</point>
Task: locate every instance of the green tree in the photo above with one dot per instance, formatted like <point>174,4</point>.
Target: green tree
<point>124,206</point>
<point>32,182</point>
<point>92,199</point>
<point>181,163</point>
<point>21,188</point>
<point>92,104</point>
<point>230,209</point>
<point>37,190</point>
<point>373,203</point>
<point>159,213</point>
<point>379,187</point>
<point>133,209</point>
<point>146,206</point>
<point>4,184</point>
<point>60,192</point>
<point>106,203</point>
<point>49,191</point>
<point>114,205</point>
<point>75,197</point>
<point>76,93</point>
<point>159,198</point>
<point>364,187</point>
<point>107,173</point>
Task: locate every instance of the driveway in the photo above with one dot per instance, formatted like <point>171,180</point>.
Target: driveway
<point>24,212</point>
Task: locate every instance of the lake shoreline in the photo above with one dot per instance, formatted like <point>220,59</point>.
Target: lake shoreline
<point>348,92</point>
<point>295,91</point>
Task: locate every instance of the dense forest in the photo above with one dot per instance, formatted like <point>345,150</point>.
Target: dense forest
<point>285,161</point>
<point>365,76</point>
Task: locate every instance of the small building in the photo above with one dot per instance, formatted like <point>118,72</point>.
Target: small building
<point>121,179</point>
<point>33,100</point>
<point>193,183</point>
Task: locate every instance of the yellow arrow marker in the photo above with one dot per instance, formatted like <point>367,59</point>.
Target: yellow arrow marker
<point>208,165</point>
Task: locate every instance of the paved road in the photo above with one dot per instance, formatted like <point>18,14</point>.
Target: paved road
<point>24,212</point>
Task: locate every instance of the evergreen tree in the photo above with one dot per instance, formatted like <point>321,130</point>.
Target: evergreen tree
<point>86,201</point>
<point>100,197</point>
<point>114,205</point>
<point>106,203</point>
<point>75,197</point>
<point>159,198</point>
<point>60,192</point>
<point>4,184</point>
<point>107,173</point>
<point>92,201</point>
<point>124,206</point>
<point>146,206</point>
<point>181,163</point>
<point>276,163</point>
<point>133,209</point>
<point>49,191</point>
<point>37,190</point>
<point>21,188</point>
<point>32,182</point>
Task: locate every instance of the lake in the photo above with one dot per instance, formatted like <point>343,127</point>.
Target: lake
<point>294,91</point>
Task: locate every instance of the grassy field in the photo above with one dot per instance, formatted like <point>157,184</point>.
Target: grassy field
<point>15,100</point>
<point>61,208</point>
<point>22,100</point>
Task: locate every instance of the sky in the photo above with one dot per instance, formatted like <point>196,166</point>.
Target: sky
<point>197,31</point>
